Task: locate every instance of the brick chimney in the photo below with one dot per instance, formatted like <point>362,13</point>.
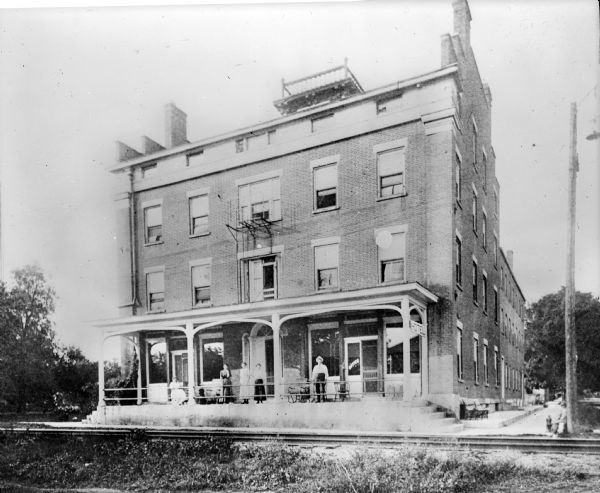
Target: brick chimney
<point>176,126</point>
<point>462,21</point>
<point>509,258</point>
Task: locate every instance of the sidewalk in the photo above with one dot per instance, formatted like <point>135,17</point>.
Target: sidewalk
<point>531,421</point>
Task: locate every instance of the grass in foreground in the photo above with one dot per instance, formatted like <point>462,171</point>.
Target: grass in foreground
<point>218,464</point>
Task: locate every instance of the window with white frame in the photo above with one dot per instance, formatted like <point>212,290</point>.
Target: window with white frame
<point>321,123</point>
<point>391,252</point>
<point>153,223</point>
<point>457,178</point>
<point>476,359</point>
<point>326,266</point>
<point>198,211</point>
<point>155,290</point>
<point>484,229</point>
<point>260,199</point>
<point>325,186</point>
<point>484,291</point>
<point>459,351</point>
<point>390,172</point>
<point>458,261</point>
<point>474,210</point>
<point>474,281</point>
<point>201,275</point>
<point>260,278</point>
<point>485,363</point>
<point>474,138</point>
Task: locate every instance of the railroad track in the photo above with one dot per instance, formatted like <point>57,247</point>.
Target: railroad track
<point>327,438</point>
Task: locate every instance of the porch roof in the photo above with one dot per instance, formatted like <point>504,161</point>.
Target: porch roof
<point>382,295</point>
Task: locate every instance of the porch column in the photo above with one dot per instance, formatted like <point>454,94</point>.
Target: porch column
<point>277,376</point>
<point>101,402</point>
<point>189,333</point>
<point>425,359</point>
<point>405,309</point>
<point>138,346</point>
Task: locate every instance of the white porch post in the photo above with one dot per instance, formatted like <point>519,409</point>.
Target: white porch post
<point>101,402</point>
<point>425,358</point>
<point>405,309</point>
<point>189,333</point>
<point>277,370</point>
<point>138,346</point>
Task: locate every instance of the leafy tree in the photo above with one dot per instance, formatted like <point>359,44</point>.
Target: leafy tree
<point>28,346</point>
<point>75,379</point>
<point>545,341</point>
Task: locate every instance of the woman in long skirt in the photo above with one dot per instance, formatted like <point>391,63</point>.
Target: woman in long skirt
<point>225,375</point>
<point>259,384</point>
<point>245,384</point>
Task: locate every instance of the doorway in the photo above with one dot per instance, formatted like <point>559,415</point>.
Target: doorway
<point>362,369</point>
<point>179,364</point>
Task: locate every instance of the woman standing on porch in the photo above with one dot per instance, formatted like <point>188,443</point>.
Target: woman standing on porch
<point>259,384</point>
<point>245,384</point>
<point>225,375</point>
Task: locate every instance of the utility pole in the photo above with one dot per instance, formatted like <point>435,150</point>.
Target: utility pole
<point>570,332</point>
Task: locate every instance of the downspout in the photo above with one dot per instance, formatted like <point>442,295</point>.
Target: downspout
<point>132,246</point>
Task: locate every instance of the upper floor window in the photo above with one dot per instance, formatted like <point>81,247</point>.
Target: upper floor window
<point>388,105</point>
<point>496,305</point>
<point>390,172</point>
<point>195,158</point>
<point>484,167</point>
<point>474,210</point>
<point>321,123</point>
<point>153,223</point>
<point>391,251</point>
<point>474,140</point>
<point>260,199</point>
<point>149,170</point>
<point>260,278</point>
<point>326,266</point>
<point>458,261</point>
<point>325,185</point>
<point>495,249</point>
<point>457,177</point>
<point>484,229</point>
<point>155,291</point>
<point>198,207</point>
<point>484,291</point>
<point>201,274</point>
<point>475,282</point>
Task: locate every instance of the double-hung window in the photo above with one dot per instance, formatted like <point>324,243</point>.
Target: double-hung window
<point>201,275</point>
<point>260,198</point>
<point>325,183</point>
<point>391,251</point>
<point>457,177</point>
<point>496,366</point>
<point>476,358</point>
<point>484,226</point>
<point>474,138</point>
<point>474,209</point>
<point>261,278</point>
<point>326,253</point>
<point>474,281</point>
<point>390,172</point>
<point>458,260</point>
<point>459,349</point>
<point>485,362</point>
<point>152,222</point>
<point>155,290</point>
<point>198,212</point>
<point>484,290</point>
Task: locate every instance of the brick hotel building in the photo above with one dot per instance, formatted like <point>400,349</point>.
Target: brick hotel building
<point>362,226</point>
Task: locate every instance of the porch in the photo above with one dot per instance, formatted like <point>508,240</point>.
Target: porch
<point>374,346</point>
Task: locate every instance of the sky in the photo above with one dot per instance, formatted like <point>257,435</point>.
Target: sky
<point>75,80</point>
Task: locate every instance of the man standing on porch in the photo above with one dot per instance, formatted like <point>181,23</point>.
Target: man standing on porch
<point>319,376</point>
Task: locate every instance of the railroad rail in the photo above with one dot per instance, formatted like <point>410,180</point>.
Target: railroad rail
<point>325,438</point>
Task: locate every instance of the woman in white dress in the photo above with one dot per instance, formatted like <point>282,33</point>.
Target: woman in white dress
<point>177,393</point>
<point>245,384</point>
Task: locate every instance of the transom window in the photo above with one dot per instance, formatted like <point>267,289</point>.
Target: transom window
<point>155,291</point>
<point>390,172</point>
<point>325,181</point>
<point>326,266</point>
<point>198,214</point>
<point>201,275</point>
<point>260,200</point>
<point>153,224</point>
